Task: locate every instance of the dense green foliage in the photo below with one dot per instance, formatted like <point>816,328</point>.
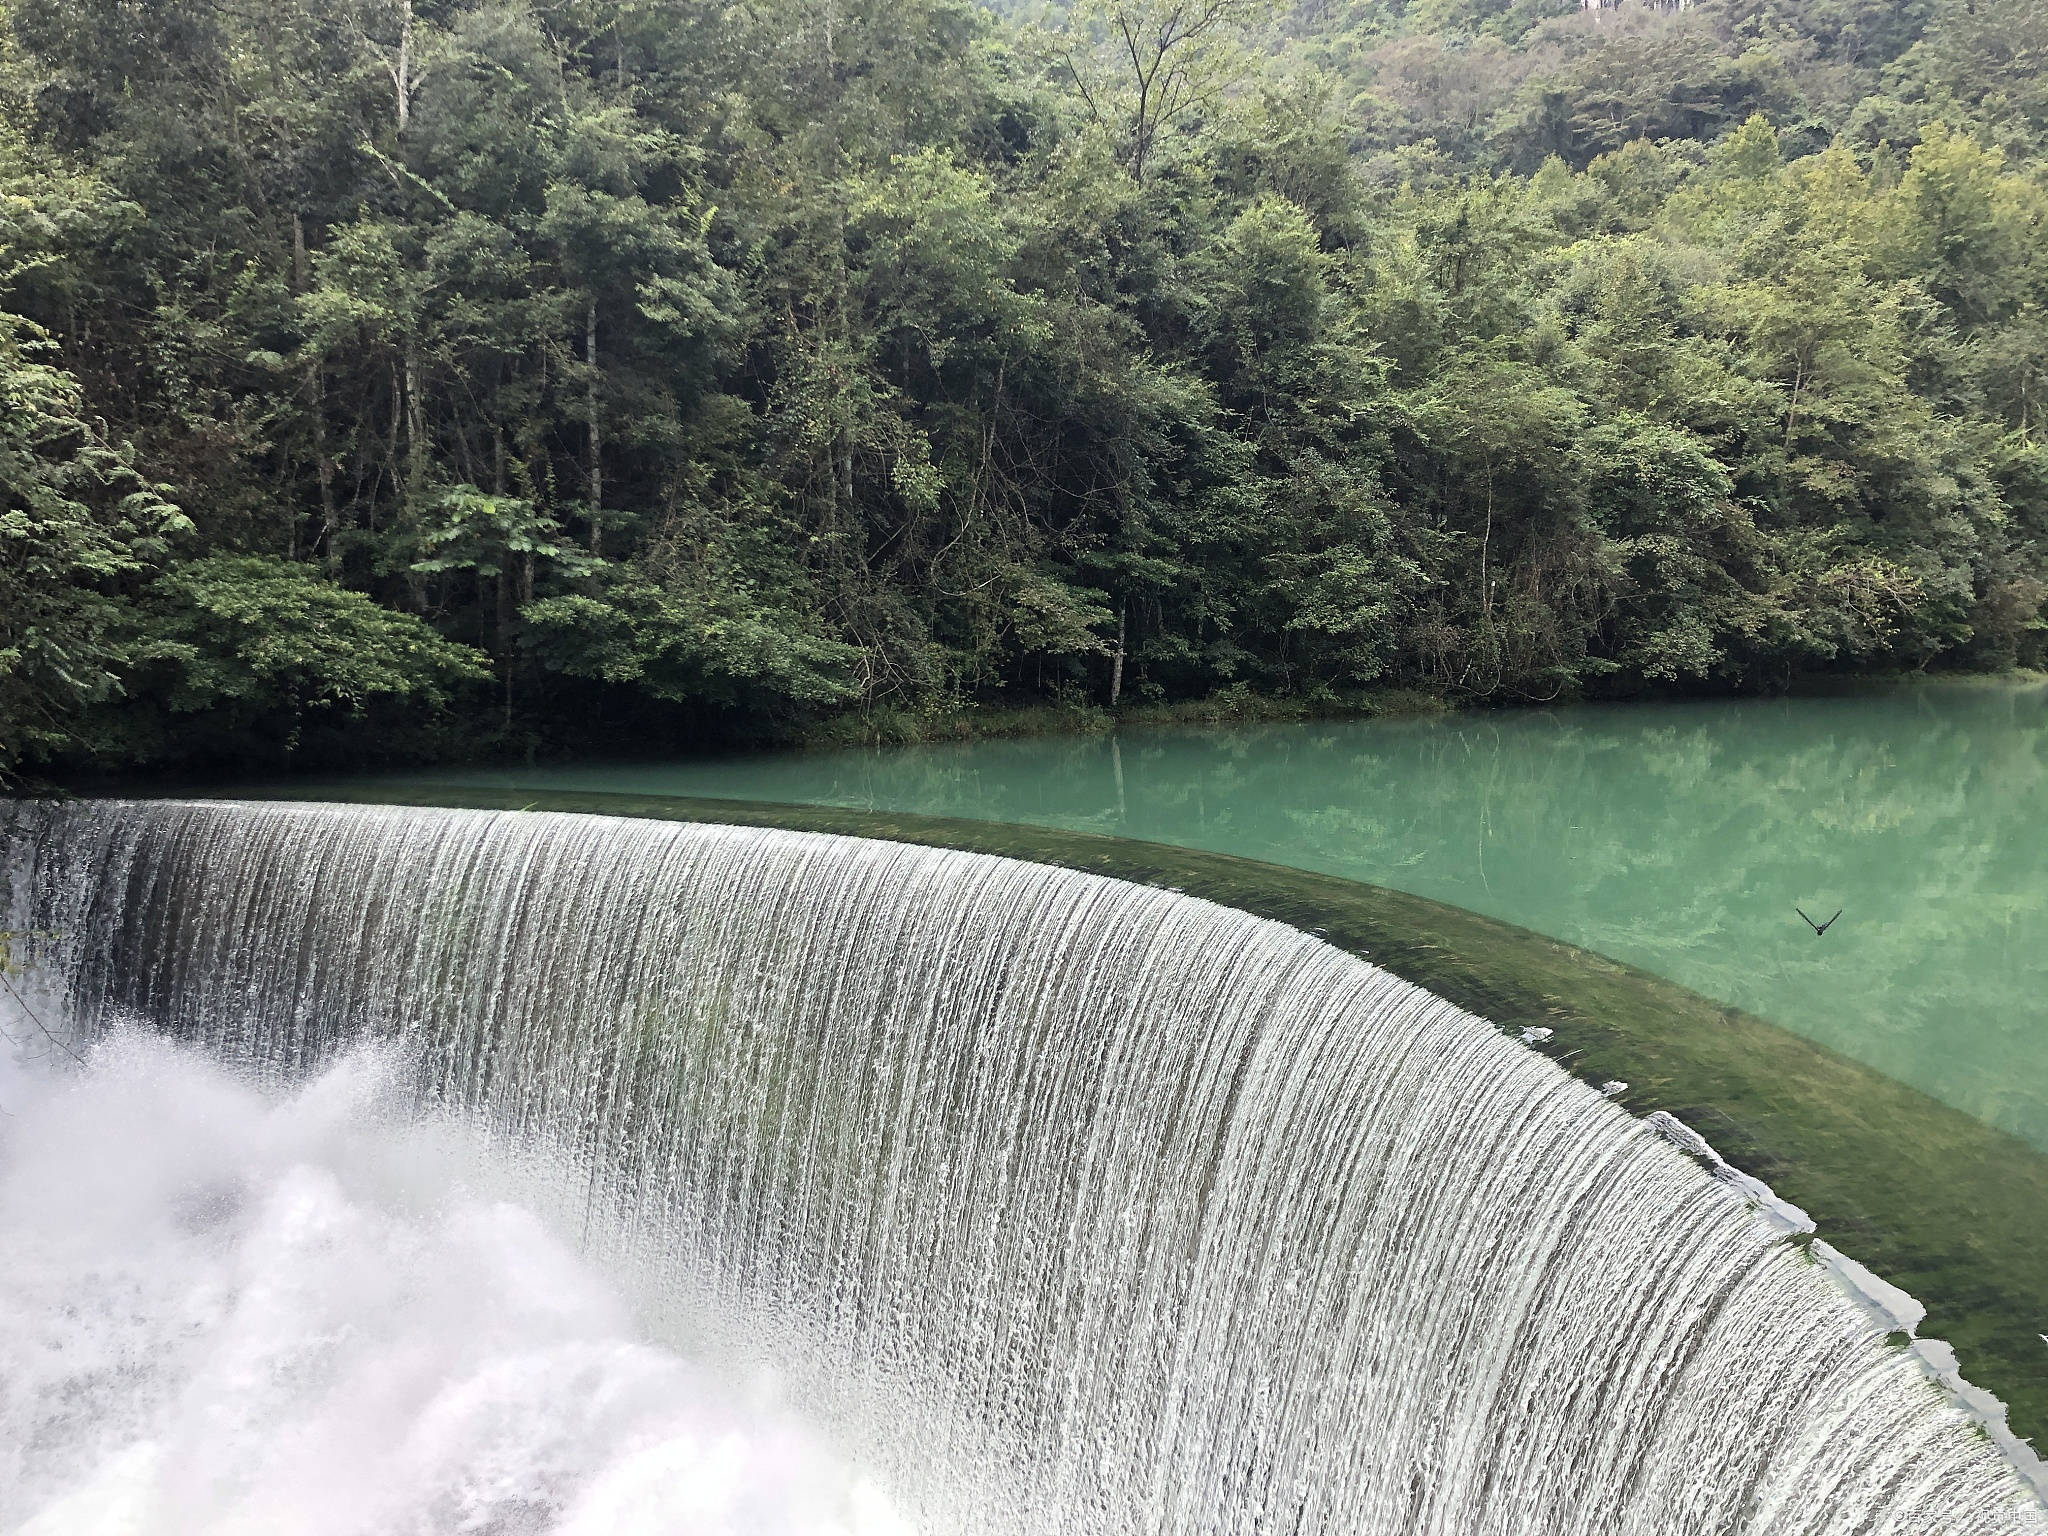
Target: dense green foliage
<point>410,375</point>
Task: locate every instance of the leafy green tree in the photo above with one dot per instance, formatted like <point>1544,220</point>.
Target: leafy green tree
<point>685,369</point>
<point>251,653</point>
<point>78,526</point>
<point>1145,69</point>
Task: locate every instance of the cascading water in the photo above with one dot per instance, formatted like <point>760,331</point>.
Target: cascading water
<point>232,1312</point>
<point>1067,1205</point>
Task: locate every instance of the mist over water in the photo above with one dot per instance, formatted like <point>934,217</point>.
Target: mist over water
<point>1066,1206</point>
<point>229,1308</point>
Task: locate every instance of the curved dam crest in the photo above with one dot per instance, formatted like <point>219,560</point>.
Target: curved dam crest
<point>1070,1205</point>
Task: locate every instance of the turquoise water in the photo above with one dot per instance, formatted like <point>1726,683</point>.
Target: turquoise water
<point>1676,837</point>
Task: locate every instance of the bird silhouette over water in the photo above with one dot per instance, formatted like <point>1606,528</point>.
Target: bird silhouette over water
<point>1819,929</point>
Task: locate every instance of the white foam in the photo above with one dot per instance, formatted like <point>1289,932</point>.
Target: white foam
<point>230,1310</point>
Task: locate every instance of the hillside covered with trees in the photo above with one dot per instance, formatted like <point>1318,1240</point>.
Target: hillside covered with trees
<point>410,377</point>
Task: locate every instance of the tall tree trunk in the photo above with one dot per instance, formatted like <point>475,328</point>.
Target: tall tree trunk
<point>508,612</point>
<point>507,594</point>
<point>316,406</point>
<point>1485,549</point>
<point>596,431</point>
<point>1116,665</point>
<point>401,67</point>
<point>323,463</point>
<point>392,466</point>
<point>415,467</point>
<point>415,432</point>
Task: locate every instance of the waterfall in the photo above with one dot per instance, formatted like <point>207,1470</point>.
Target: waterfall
<point>1069,1205</point>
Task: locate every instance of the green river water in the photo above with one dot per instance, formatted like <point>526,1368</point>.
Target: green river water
<point>1676,837</point>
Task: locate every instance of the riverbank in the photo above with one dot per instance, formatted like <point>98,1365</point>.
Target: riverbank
<point>890,727</point>
<point>1230,706</point>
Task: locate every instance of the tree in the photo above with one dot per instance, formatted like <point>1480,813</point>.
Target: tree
<point>1143,67</point>
<point>699,368</point>
<point>252,653</point>
<point>78,526</point>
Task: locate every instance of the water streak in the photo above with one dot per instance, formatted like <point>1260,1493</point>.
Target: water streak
<point>1075,1206</point>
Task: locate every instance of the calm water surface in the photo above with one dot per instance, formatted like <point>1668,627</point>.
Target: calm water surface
<point>1675,837</point>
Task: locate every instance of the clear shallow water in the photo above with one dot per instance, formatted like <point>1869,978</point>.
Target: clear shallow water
<point>1675,837</point>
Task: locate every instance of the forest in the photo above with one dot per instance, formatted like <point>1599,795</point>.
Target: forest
<point>401,379</point>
